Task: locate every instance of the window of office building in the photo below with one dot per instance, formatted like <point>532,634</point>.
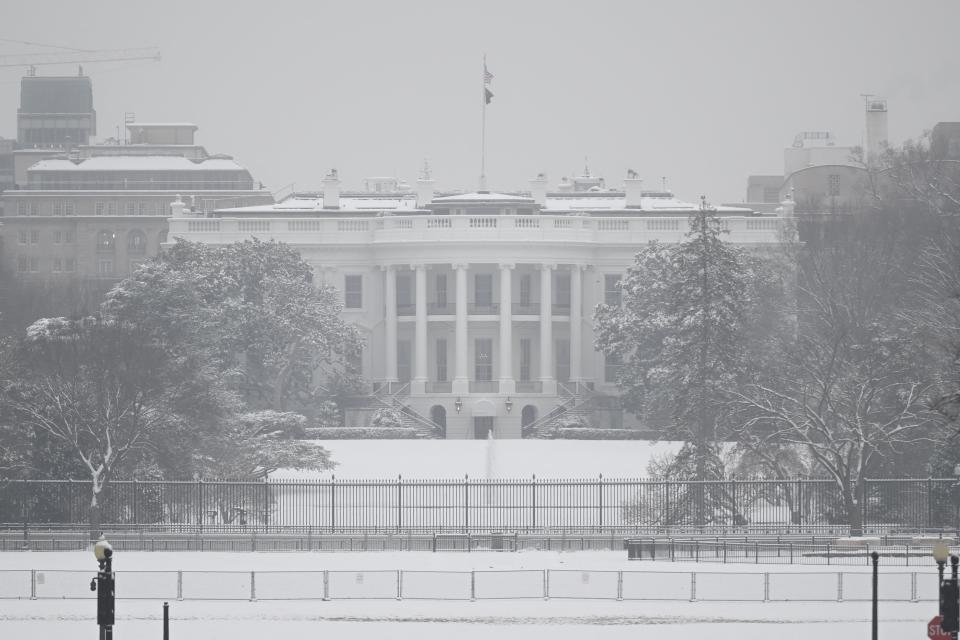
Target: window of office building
<point>34,208</point>
<point>100,208</point>
<point>22,208</point>
<point>35,236</point>
<point>137,242</point>
<point>22,236</point>
<point>68,208</point>
<point>483,289</point>
<point>441,292</point>
<point>57,265</point>
<point>131,208</point>
<point>353,292</point>
<point>483,356</point>
<point>58,207</point>
<point>70,265</point>
<point>23,264</point>
<point>68,236</point>
<point>441,360</point>
<point>34,264</point>
<point>57,236</point>
<point>105,240</point>
<point>105,266</point>
<point>612,295</point>
<point>111,208</point>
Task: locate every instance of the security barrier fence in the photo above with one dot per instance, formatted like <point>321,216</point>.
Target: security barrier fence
<point>913,586</point>
<point>486,505</point>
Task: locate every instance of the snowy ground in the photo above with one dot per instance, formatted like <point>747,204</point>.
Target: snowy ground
<point>429,620</point>
<point>431,459</point>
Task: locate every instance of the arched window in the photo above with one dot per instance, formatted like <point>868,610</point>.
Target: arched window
<point>106,240</point>
<point>439,417</point>
<point>136,242</point>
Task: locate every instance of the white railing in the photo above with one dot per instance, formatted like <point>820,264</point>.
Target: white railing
<point>394,584</point>
<point>521,229</point>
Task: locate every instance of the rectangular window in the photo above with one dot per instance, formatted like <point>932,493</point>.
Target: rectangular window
<point>441,360</point>
<point>100,208</point>
<point>22,236</point>
<point>105,266</point>
<point>35,236</point>
<point>403,360</point>
<point>482,427</point>
<point>563,360</point>
<point>57,236</point>
<point>34,264</point>
<point>34,208</point>
<point>611,367</point>
<point>68,236</point>
<point>563,290</point>
<point>68,208</point>
<point>483,290</point>
<point>22,208</point>
<point>57,265</point>
<point>441,292</point>
<point>611,289</point>
<point>834,186</point>
<point>525,282</point>
<point>483,357</point>
<point>131,208</point>
<point>525,353</point>
<point>70,265</point>
<point>142,208</point>
<point>23,264</point>
<point>404,290</point>
<point>353,292</point>
<point>111,208</point>
<point>58,207</point>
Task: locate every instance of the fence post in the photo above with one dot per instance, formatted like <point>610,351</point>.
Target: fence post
<point>600,490</point>
<point>399,584</point>
<point>766,587</point>
<point>136,515</point>
<point>620,585</point>
<point>326,585</point>
<point>839,586</point>
<point>546,584</point>
<point>913,587</point>
<point>33,584</point>
<point>253,586</point>
<point>399,503</point>
<point>473,585</point>
<point>533,505</point>
<point>693,586</point>
<point>179,586</point>
<point>466,503</point>
<point>333,503</point>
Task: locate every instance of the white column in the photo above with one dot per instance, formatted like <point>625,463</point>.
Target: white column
<point>390,321</point>
<point>419,382</point>
<point>576,322</point>
<point>461,381</point>
<point>507,383</point>
<point>546,329</point>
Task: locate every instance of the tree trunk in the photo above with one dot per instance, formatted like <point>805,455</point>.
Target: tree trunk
<point>94,516</point>
<point>854,512</point>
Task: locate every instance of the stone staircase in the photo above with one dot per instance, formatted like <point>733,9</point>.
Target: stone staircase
<point>392,398</point>
<point>577,403</point>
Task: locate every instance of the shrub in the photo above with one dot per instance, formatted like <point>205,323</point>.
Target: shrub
<point>386,419</point>
<point>590,433</point>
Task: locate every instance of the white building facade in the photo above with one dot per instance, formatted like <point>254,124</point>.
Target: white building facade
<point>477,308</point>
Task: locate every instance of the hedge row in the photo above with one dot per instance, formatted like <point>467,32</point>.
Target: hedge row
<point>362,433</point>
<point>591,433</point>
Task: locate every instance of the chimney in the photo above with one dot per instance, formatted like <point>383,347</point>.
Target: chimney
<point>177,208</point>
<point>424,187</point>
<point>633,189</point>
<point>331,190</point>
<point>538,189</point>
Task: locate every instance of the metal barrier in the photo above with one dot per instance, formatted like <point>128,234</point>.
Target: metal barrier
<point>486,505</point>
<point>913,586</point>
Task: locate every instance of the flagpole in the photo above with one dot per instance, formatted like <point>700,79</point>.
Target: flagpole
<point>483,126</point>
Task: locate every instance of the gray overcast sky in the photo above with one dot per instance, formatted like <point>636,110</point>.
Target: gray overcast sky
<point>703,92</point>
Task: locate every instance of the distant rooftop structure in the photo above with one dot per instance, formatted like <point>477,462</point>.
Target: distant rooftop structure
<point>806,139</point>
<point>161,132</point>
<point>55,111</point>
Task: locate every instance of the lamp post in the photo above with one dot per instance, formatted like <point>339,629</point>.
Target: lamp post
<point>104,584</point>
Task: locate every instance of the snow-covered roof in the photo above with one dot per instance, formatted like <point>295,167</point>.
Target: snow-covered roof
<point>649,203</point>
<point>137,163</point>
<point>347,204</point>
<point>154,125</point>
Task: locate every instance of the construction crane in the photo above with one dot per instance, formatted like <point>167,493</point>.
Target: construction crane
<point>33,60</point>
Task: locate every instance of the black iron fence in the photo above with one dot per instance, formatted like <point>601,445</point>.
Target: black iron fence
<point>486,505</point>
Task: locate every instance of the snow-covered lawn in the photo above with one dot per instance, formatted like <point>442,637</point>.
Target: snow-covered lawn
<point>431,459</point>
<point>432,619</point>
